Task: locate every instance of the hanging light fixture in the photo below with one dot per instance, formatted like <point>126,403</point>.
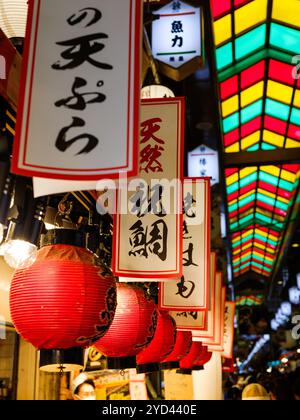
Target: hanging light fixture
<point>62,361</point>
<point>65,299</point>
<point>160,347</point>
<point>182,347</point>
<point>13,17</point>
<point>132,329</point>
<point>188,362</point>
<point>156,91</point>
<point>25,226</point>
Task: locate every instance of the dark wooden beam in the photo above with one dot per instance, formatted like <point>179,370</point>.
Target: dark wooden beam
<point>262,157</point>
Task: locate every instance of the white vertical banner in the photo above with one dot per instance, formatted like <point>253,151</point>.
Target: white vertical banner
<point>198,320</point>
<point>217,343</point>
<point>212,335</point>
<point>229,330</point>
<point>78,115</point>
<point>147,240</point>
<point>191,292</point>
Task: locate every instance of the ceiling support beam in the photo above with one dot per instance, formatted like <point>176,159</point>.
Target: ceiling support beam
<point>262,157</point>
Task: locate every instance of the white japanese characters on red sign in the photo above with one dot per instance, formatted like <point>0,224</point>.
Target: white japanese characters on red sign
<point>78,115</point>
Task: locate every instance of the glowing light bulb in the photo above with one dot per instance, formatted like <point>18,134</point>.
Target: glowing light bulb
<point>19,254</point>
<point>285,360</point>
<point>286,308</point>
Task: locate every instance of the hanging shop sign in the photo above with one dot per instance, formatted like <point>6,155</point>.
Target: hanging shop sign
<point>191,292</point>
<point>147,240</point>
<point>195,320</point>
<point>177,39</point>
<point>77,81</point>
<point>229,330</point>
<point>189,321</point>
<point>204,161</point>
<point>213,316</point>
<point>217,343</point>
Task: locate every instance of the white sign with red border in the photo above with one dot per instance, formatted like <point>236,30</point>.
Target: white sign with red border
<point>147,239</point>
<point>191,292</point>
<point>78,115</point>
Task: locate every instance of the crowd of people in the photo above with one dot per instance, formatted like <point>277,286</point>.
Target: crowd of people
<point>270,386</point>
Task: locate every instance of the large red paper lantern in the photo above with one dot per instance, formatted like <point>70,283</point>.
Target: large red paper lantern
<point>132,329</point>
<point>182,347</point>
<point>63,300</point>
<point>203,358</point>
<point>188,362</point>
<point>160,347</point>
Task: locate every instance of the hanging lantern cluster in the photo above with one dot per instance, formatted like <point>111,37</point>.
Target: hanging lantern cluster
<point>188,362</point>
<point>132,329</point>
<point>63,300</point>
<point>203,358</point>
<point>182,347</point>
<point>160,347</point>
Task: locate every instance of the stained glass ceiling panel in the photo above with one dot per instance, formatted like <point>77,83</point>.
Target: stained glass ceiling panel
<point>259,203</point>
<point>260,98</point>
<point>255,42</point>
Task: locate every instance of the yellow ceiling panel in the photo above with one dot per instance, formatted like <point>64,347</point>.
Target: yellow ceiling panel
<point>250,15</point>
<point>252,94</point>
<point>287,11</point>
<point>250,140</point>
<point>222,29</point>
<point>230,106</point>
<point>273,138</point>
<point>280,92</point>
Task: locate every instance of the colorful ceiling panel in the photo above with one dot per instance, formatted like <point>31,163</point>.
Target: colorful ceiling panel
<point>249,300</point>
<point>256,42</point>
<point>260,97</point>
<point>259,203</point>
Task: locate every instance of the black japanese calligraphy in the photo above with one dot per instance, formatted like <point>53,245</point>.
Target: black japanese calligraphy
<point>187,262</point>
<point>176,5</point>
<point>84,14</point>
<point>189,209</point>
<point>177,40</point>
<point>185,288</point>
<point>149,240</point>
<point>177,27</point>
<point>78,101</point>
<point>193,315</point>
<point>62,144</point>
<point>80,50</point>
<point>148,203</point>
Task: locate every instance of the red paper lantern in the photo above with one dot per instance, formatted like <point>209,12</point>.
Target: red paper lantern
<point>62,300</point>
<point>188,362</point>
<point>182,347</point>
<point>203,358</point>
<point>160,347</point>
<point>132,329</point>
